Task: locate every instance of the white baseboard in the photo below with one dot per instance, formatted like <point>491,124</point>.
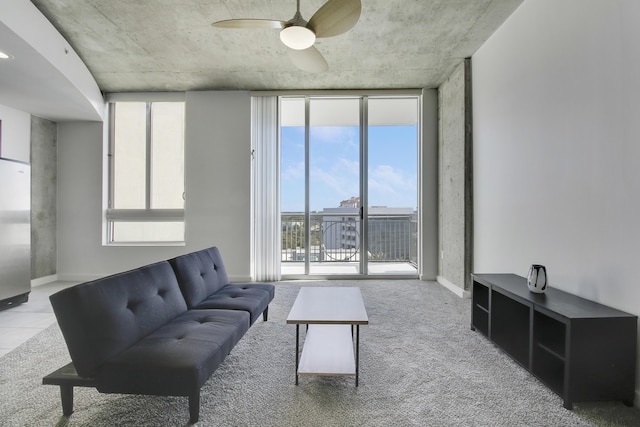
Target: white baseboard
<point>453,288</point>
<point>240,279</point>
<point>44,280</point>
<point>79,277</point>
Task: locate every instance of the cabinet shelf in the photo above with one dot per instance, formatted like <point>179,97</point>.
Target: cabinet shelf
<point>480,313</point>
<point>582,350</point>
<point>481,296</point>
<point>549,333</point>
<point>551,352</point>
<point>549,368</point>
<point>481,308</point>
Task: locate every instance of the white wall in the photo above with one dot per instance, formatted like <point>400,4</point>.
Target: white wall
<point>556,147</point>
<point>217,164</point>
<point>218,181</point>
<point>15,139</point>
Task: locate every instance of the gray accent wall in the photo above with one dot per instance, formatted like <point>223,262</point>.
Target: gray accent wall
<point>43,197</point>
<point>455,185</point>
<point>429,186</point>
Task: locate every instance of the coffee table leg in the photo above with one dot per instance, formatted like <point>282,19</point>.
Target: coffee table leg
<point>297,347</point>
<point>357,353</point>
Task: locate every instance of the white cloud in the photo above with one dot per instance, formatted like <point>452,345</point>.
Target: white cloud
<point>387,186</point>
<point>392,187</point>
<point>293,172</point>
<point>330,186</point>
<point>335,135</point>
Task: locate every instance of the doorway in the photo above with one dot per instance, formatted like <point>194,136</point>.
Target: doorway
<point>349,186</point>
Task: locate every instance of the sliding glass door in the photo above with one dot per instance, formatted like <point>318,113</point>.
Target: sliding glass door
<point>348,186</point>
<point>391,218</point>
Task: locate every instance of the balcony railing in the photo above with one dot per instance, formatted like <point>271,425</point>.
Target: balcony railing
<point>335,237</point>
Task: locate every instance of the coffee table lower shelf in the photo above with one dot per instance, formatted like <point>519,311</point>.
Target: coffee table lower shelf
<point>328,350</point>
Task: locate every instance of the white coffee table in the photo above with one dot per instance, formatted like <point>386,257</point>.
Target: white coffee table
<point>330,314</point>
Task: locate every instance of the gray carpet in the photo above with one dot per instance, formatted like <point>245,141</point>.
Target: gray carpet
<point>421,365</point>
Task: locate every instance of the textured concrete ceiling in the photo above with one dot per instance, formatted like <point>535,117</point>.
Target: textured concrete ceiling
<point>170,45</point>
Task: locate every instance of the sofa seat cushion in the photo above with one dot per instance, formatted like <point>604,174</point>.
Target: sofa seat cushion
<point>176,359</point>
<point>270,288</point>
<point>252,298</point>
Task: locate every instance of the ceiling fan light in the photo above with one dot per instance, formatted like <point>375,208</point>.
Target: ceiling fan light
<point>298,37</point>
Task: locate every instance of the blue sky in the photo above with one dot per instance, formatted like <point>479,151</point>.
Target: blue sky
<point>334,166</point>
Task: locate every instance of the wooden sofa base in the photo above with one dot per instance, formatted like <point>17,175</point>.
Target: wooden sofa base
<point>67,378</point>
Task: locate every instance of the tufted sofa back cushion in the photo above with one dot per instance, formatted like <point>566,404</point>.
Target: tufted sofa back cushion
<point>100,319</point>
<point>200,274</point>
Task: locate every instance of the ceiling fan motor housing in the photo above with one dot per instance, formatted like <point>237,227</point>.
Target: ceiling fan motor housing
<point>296,34</point>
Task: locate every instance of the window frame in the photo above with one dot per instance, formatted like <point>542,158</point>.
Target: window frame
<point>146,214</point>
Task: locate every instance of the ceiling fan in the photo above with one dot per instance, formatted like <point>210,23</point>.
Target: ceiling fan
<point>333,18</point>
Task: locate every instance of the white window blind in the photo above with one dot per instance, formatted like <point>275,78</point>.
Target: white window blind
<point>265,185</point>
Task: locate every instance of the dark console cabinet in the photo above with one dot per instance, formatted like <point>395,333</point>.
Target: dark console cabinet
<point>582,350</point>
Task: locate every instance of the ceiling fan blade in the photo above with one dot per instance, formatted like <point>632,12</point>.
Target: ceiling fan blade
<point>310,60</point>
<point>250,23</point>
<point>335,17</point>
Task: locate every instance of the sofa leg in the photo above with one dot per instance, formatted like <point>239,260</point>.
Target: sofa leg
<point>67,378</point>
<point>194,407</point>
<point>66,395</point>
<point>265,314</point>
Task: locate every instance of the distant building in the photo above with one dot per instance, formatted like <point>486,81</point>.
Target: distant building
<point>353,202</point>
<point>335,234</point>
<point>391,232</point>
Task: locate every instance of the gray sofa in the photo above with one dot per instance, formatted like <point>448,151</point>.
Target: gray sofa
<point>161,329</point>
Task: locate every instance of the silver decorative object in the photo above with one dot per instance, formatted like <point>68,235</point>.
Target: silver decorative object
<point>537,278</point>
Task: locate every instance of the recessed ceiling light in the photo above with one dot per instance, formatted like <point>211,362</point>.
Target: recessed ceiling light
<point>5,55</point>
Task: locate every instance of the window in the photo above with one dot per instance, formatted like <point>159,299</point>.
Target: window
<point>146,173</point>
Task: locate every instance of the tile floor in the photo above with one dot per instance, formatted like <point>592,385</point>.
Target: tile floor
<point>19,323</point>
